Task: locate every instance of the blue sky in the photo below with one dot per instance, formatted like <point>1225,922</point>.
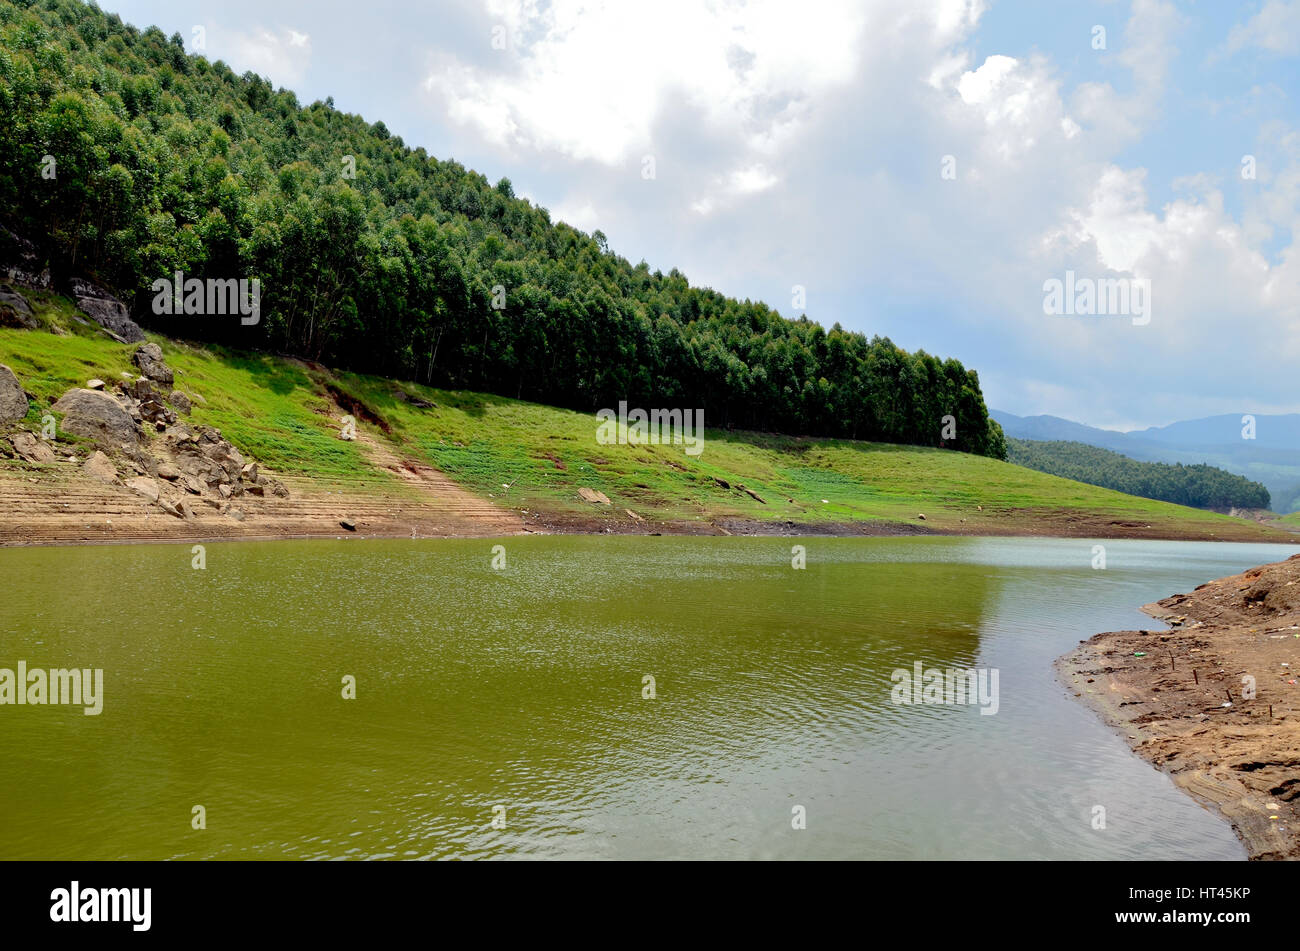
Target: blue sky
<point>801,143</point>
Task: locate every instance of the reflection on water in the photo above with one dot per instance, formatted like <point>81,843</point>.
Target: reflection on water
<point>523,689</point>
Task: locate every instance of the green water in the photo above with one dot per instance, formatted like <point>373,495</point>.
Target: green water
<point>523,689</point>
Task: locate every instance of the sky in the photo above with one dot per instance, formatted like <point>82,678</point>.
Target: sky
<point>919,169</point>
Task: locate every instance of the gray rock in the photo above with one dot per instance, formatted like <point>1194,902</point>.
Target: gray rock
<point>180,401</point>
<point>95,384</point>
<point>20,262</point>
<point>96,416</point>
<point>347,523</point>
<point>144,486</point>
<point>30,448</point>
<point>15,311</point>
<point>168,471</point>
<point>106,310</point>
<point>149,359</point>
<point>13,399</point>
<point>100,467</point>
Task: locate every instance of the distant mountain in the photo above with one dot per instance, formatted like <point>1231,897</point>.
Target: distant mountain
<point>1271,458</point>
<point>1271,432</point>
<point>1056,429</point>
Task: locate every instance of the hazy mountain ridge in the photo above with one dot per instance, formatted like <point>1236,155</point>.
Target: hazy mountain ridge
<point>1271,458</point>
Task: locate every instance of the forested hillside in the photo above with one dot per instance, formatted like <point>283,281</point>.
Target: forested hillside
<point>380,258</point>
<point>1200,486</point>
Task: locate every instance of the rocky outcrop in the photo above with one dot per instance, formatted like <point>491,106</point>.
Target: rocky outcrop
<point>144,401</point>
<point>21,263</point>
<point>15,311</point>
<point>207,462</point>
<point>13,399</point>
<point>97,416</point>
<point>30,448</point>
<point>149,359</point>
<point>106,310</point>
<point>198,462</point>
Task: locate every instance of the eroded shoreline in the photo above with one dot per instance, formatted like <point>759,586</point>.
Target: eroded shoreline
<point>1213,700</point>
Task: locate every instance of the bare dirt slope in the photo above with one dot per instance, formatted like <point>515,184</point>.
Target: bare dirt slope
<point>58,503</point>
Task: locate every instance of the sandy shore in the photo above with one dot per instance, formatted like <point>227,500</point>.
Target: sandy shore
<point>1214,700</point>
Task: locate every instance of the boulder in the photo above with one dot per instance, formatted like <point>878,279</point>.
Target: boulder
<point>96,416</point>
<point>100,467</point>
<point>30,448</point>
<point>13,399</point>
<point>171,508</point>
<point>249,473</point>
<point>144,486</point>
<point>168,471</point>
<point>95,384</point>
<point>149,359</point>
<point>347,523</point>
<point>192,485</point>
<point>106,310</point>
<point>15,311</point>
<point>591,495</point>
<point>418,402</point>
<point>156,412</point>
<point>180,401</point>
<point>20,262</point>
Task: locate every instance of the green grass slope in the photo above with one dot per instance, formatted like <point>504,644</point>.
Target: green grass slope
<point>286,414</point>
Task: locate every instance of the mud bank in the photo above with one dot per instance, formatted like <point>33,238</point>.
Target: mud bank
<point>1214,700</point>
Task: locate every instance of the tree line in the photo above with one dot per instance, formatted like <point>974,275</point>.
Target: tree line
<point>376,257</point>
<point>1199,486</point>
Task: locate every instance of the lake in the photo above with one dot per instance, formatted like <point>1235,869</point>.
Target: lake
<point>505,712</point>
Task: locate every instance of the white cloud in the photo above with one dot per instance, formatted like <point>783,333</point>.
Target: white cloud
<point>282,56</point>
<point>590,78</point>
<point>1275,28</point>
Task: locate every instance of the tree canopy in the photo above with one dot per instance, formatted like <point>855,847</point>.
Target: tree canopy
<point>1199,486</point>
<point>377,257</point>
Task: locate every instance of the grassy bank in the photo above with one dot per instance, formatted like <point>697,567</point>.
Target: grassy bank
<point>285,413</point>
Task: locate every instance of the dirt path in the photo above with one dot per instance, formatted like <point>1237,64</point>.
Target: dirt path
<point>1215,700</point>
